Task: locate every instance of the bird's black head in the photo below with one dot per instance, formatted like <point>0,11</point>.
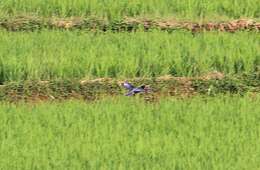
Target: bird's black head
<point>142,87</point>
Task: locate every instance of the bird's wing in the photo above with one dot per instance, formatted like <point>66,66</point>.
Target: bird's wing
<point>137,90</point>
<point>128,86</point>
<point>129,93</point>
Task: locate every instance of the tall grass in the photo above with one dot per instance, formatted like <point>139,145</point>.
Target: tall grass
<point>209,133</point>
<point>54,54</point>
<point>118,8</point>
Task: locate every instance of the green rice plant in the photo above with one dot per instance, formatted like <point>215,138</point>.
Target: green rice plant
<point>114,9</point>
<point>126,133</point>
<point>70,54</point>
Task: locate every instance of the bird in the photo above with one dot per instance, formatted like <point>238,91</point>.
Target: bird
<point>132,90</point>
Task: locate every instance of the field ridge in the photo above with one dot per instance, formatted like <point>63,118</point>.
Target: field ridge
<point>211,84</point>
<point>30,23</point>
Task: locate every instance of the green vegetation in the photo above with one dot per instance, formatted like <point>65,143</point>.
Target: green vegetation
<point>113,9</point>
<point>126,133</point>
<point>70,54</point>
<point>147,131</point>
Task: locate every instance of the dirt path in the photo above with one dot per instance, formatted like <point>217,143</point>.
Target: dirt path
<point>29,23</point>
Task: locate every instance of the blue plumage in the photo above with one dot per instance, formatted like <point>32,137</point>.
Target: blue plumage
<point>132,90</point>
<point>128,86</point>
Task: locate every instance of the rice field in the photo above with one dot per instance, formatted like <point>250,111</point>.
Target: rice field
<point>126,133</point>
<point>114,9</point>
<point>202,110</point>
<point>54,54</point>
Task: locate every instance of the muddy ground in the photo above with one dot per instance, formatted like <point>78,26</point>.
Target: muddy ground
<point>31,23</point>
<point>211,84</point>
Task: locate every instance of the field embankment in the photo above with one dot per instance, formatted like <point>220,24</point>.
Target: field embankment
<point>30,23</point>
<point>211,84</point>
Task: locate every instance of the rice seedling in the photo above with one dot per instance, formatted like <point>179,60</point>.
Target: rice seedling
<point>126,133</point>
<point>114,9</point>
<point>71,54</point>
